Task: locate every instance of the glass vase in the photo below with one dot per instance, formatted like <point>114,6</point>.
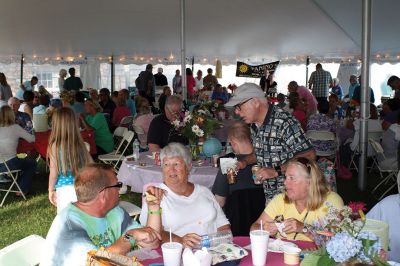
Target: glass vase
<point>195,151</point>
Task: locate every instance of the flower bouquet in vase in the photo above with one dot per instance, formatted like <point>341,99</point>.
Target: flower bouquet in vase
<point>196,126</point>
<point>341,239</point>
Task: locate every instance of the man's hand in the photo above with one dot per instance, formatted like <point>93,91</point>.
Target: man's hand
<point>241,165</point>
<point>146,237</point>
<point>265,173</point>
<point>190,240</point>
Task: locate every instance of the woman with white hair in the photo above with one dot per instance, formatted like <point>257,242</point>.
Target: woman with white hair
<point>188,210</point>
<point>61,79</point>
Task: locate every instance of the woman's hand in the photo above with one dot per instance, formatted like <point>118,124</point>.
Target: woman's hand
<point>293,226</point>
<point>53,197</point>
<point>154,195</point>
<point>190,240</point>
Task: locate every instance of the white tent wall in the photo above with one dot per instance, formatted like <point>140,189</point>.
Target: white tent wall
<point>125,75</point>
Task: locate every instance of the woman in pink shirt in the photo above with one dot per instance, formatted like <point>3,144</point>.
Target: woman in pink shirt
<point>143,121</point>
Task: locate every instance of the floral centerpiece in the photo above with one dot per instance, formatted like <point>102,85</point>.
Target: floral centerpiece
<point>196,126</point>
<point>340,239</point>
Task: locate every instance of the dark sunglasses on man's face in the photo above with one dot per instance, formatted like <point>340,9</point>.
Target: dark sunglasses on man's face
<point>239,105</point>
<point>118,185</point>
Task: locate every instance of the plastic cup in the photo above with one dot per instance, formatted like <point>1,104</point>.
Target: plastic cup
<point>172,253</point>
<point>259,246</point>
<point>291,255</point>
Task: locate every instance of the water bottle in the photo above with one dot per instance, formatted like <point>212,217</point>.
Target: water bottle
<point>136,149</point>
<point>213,240</point>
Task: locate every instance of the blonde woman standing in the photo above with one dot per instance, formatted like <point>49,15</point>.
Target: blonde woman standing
<point>66,153</point>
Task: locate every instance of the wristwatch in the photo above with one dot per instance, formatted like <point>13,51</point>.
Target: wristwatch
<point>305,229</point>
<point>129,238</point>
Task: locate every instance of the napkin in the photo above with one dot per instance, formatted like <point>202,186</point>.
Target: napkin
<point>227,252</point>
<point>199,258</point>
<point>226,164</point>
<point>280,227</point>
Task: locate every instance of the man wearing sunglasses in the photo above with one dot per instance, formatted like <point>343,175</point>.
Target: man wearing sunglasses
<point>276,136</point>
<point>96,221</point>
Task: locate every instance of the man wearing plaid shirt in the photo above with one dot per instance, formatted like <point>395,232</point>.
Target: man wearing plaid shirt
<point>320,82</point>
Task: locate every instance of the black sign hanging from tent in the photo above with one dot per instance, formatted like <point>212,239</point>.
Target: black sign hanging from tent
<point>246,70</point>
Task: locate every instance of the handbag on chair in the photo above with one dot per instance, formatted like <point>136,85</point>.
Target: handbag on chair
<point>342,171</point>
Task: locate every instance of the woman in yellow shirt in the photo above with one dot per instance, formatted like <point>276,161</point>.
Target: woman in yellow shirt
<point>304,201</point>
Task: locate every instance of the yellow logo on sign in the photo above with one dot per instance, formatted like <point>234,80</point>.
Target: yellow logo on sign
<point>243,68</point>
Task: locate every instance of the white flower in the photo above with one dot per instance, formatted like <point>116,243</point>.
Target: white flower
<point>195,128</point>
<point>201,111</point>
<point>187,118</point>
<point>176,123</point>
<point>200,133</point>
<point>216,105</point>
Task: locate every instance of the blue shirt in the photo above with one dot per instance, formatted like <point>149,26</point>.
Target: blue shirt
<point>131,105</point>
<point>388,211</point>
<point>73,233</point>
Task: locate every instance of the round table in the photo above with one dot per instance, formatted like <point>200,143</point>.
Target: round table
<point>131,173</point>
<point>273,258</point>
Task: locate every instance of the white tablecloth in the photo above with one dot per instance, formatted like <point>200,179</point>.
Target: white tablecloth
<point>136,176</point>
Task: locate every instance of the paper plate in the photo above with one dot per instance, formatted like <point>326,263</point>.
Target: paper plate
<point>276,245</point>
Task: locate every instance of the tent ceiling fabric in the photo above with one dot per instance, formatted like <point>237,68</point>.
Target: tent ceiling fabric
<point>257,29</point>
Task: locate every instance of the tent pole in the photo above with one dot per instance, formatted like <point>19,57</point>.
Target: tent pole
<point>183,50</point>
<point>22,69</point>
<point>112,73</point>
<point>366,43</point>
<point>307,64</point>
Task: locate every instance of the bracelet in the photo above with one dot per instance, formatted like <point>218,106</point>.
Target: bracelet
<point>157,212</point>
<point>129,237</point>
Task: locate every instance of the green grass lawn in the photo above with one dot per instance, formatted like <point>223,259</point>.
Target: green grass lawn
<point>20,218</point>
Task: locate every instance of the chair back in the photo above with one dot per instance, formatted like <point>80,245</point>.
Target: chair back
<point>25,252</point>
<point>375,135</point>
<point>120,131</point>
<point>320,135</point>
<point>40,122</point>
<point>126,121</point>
<point>126,139</point>
<point>376,146</point>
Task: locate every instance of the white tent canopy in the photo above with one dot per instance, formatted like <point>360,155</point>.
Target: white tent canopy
<point>259,30</point>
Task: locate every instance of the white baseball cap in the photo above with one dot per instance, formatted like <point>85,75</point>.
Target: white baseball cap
<point>244,92</point>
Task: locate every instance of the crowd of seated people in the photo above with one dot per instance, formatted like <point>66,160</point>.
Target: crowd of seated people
<point>301,191</point>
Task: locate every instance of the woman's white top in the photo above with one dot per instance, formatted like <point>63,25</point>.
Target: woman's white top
<point>198,213</point>
<point>9,140</point>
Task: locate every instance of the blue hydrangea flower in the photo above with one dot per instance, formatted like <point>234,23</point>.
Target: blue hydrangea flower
<point>365,255</point>
<point>343,246</point>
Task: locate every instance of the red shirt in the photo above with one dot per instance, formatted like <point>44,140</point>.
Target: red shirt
<point>190,85</point>
<point>119,113</point>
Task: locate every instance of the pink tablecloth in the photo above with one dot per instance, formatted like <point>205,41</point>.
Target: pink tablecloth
<point>273,258</point>
<point>136,176</point>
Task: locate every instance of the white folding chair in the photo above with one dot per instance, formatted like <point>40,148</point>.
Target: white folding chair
<point>25,252</point>
<point>13,174</point>
<point>375,135</point>
<point>131,209</point>
<point>115,157</point>
<point>118,135</point>
<point>390,173</point>
<point>40,122</point>
<point>323,135</point>
<point>127,122</point>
